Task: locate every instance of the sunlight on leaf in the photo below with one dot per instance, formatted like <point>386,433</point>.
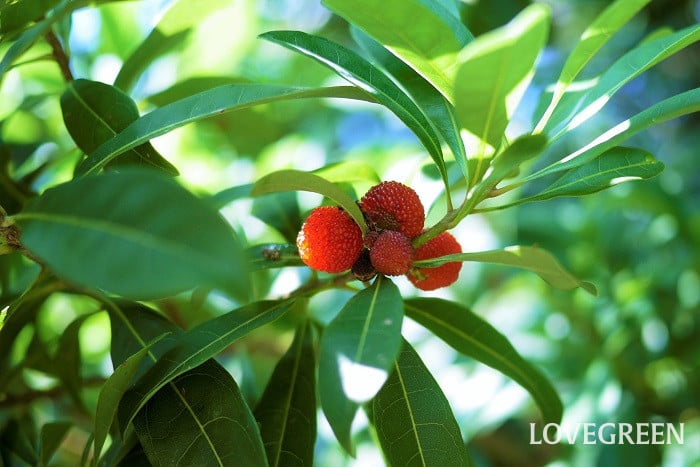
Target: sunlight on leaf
<point>360,382</point>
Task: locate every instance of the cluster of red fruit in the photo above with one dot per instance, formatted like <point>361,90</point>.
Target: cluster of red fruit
<point>331,241</point>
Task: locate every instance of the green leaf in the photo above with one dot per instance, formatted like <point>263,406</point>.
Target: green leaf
<point>200,419</point>
<point>572,113</point>
<point>94,112</point>
<point>52,434</point>
<point>369,78</point>
<point>673,107</point>
<point>435,106</point>
<point>68,360</point>
<point>414,422</point>
<point>357,351</point>
<point>606,24</point>
<point>616,165</point>
<point>281,211</point>
<point>289,180</point>
<point>14,15</point>
<point>273,255</point>
<point>172,30</point>
<point>202,105</point>
<point>469,334</point>
<point>112,392</point>
<point>133,326</point>
<point>522,150</point>
<point>204,403</point>
<point>190,86</point>
<point>422,33</point>
<point>31,35</point>
<point>196,346</point>
<point>534,259</point>
<point>348,171</point>
<point>17,438</point>
<point>494,70</point>
<point>134,233</point>
<point>286,412</point>
<point>20,313</point>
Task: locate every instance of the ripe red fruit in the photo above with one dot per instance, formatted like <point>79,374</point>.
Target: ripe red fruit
<point>392,253</point>
<point>441,276</point>
<point>394,206</point>
<point>329,240</point>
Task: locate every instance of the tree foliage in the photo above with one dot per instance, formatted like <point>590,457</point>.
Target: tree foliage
<point>109,242</point>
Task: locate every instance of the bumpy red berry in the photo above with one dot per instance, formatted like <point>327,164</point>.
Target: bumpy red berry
<point>392,253</point>
<point>441,276</point>
<point>329,240</point>
<point>394,206</point>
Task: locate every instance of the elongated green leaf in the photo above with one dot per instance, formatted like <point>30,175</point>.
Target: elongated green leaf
<point>17,438</point>
<point>94,112</point>
<point>134,325</point>
<point>286,412</point>
<point>469,334</point>
<point>210,420</point>
<point>280,211</point>
<point>415,424</point>
<point>348,171</point>
<point>273,255</point>
<point>14,15</point>
<point>522,150</point>
<point>493,73</point>
<point>195,347</point>
<point>534,259</point>
<point>191,86</point>
<point>423,33</point>
<point>68,361</point>
<point>52,435</point>
<point>200,419</point>
<point>112,392</point>
<point>593,38</point>
<point>134,233</point>
<point>673,107</point>
<point>371,79</point>
<point>171,31</point>
<point>202,105</point>
<point>21,312</point>
<point>357,351</point>
<point>434,105</point>
<point>32,34</point>
<point>286,180</point>
<point>571,113</point>
<point>616,165</point>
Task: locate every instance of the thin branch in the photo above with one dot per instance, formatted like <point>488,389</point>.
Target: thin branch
<point>59,55</point>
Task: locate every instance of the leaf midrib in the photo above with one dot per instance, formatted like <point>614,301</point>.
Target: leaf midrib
<point>288,402</point>
<point>163,244</point>
<point>409,406</point>
<point>97,117</point>
<point>555,188</point>
<point>524,380</point>
<point>365,327</point>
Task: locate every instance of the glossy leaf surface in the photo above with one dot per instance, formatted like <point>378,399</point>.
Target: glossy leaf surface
<point>95,112</point>
<point>135,233</point>
<point>534,259</point>
<point>414,422</point>
<point>357,351</point>
<point>286,412</point>
<point>469,334</point>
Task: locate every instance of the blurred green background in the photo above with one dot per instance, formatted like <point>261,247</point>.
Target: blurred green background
<point>632,354</point>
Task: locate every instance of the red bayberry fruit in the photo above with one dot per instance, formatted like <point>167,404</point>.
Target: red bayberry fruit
<point>392,253</point>
<point>441,276</point>
<point>329,240</point>
<point>394,206</point>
